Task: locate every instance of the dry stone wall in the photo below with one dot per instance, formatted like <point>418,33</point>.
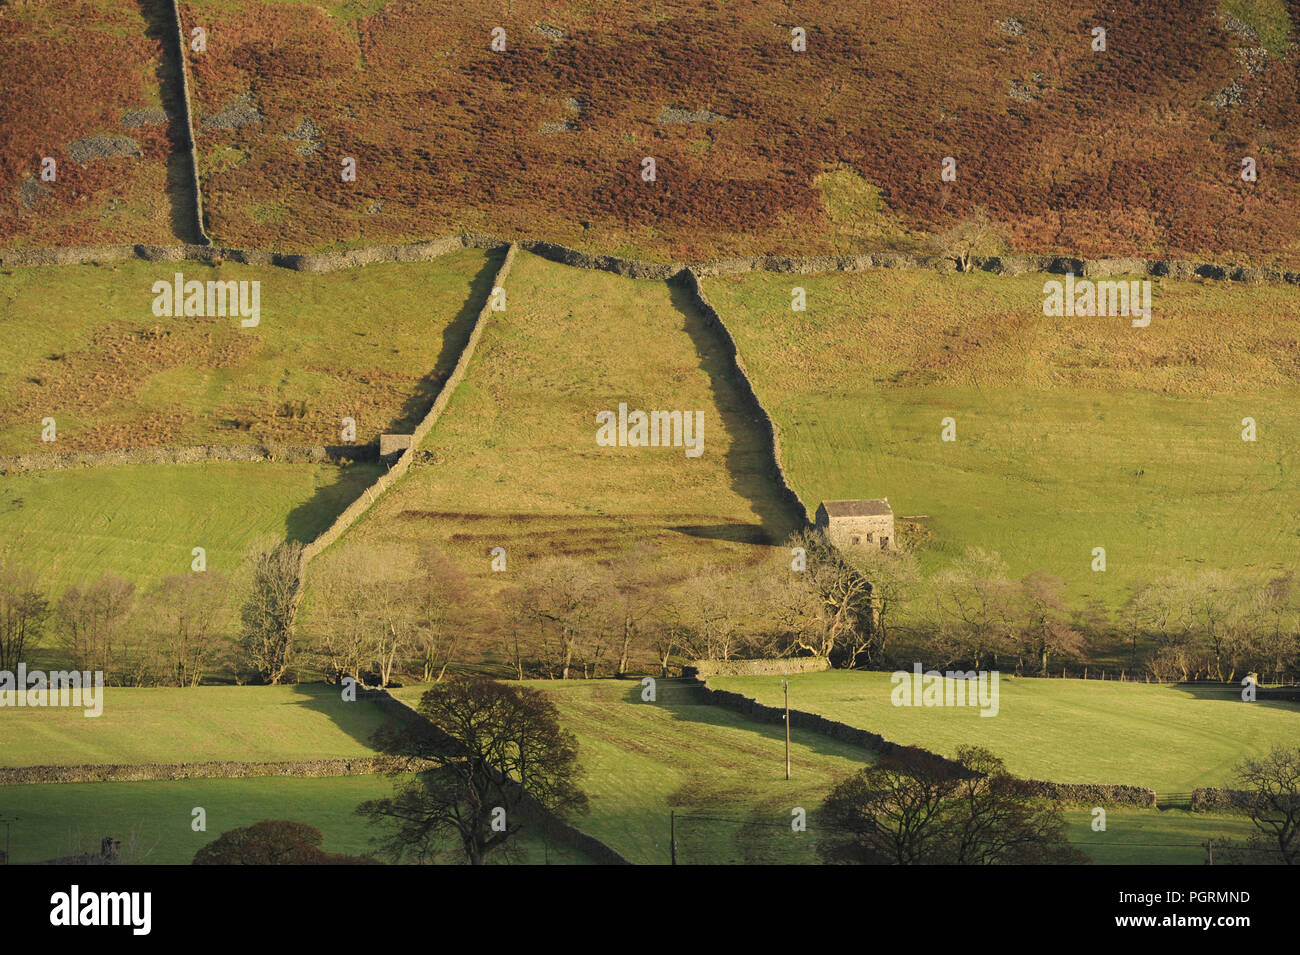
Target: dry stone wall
<point>320,262</point>
<point>702,669</point>
<point>1210,799</point>
<point>353,512</point>
<point>188,105</point>
<point>229,769</point>
<point>284,454</point>
<point>1084,794</point>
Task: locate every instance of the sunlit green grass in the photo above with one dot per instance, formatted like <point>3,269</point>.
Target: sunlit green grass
<point>515,458</point>
<point>82,346</point>
<point>1268,18</point>
<point>192,725</point>
<point>1153,836</point>
<point>1168,738</point>
<point>1071,434</point>
<point>154,820</point>
<point>142,521</point>
<point>644,761</point>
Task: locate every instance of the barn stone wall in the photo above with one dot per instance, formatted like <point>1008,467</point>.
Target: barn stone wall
<point>870,530</point>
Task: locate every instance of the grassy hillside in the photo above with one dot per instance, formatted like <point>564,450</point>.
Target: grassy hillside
<point>1169,738</point>
<point>723,774</point>
<point>153,819</point>
<point>1135,148</point>
<point>201,724</point>
<point>142,521</point>
<point>1071,433</point>
<point>515,458</point>
<point>375,344</point>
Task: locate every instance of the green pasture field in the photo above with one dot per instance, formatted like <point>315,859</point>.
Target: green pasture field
<point>192,725</point>
<point>82,346</point>
<point>1167,737</point>
<point>723,774</point>
<point>153,819</point>
<point>142,521</point>
<point>515,458</point>
<point>1154,836</point>
<point>1071,433</point>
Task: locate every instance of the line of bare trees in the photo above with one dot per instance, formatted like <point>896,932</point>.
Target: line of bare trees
<point>876,609</point>
<point>176,633</point>
<point>387,616</point>
<point>1179,626</point>
<point>166,635</point>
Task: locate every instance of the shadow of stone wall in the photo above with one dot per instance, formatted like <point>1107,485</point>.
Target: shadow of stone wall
<point>358,507</point>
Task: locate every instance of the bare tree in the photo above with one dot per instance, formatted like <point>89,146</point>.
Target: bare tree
<point>834,602</point>
<point>1272,800</point>
<point>912,808</point>
<point>1217,614</point>
<point>1276,641</point>
<point>637,590</point>
<point>1044,625</point>
<point>715,611</point>
<point>390,619</point>
<point>516,619</point>
<point>183,617</point>
<point>895,579</point>
<point>568,595</point>
<point>270,612</point>
<point>24,614</point>
<point>444,613</point>
<point>338,613</point>
<point>975,599</point>
<point>91,617</point>
<point>495,746</point>
<point>976,234</point>
<point>670,628</point>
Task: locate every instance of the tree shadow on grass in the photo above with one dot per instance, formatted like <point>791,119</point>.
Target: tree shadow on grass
<point>454,339</point>
<point>749,460</point>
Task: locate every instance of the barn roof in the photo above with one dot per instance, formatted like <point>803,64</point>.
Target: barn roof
<point>869,508</point>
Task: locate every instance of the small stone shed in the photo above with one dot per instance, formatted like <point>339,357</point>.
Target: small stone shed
<point>857,523</point>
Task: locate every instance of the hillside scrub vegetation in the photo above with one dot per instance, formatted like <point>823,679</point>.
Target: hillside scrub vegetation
<point>1131,149</point>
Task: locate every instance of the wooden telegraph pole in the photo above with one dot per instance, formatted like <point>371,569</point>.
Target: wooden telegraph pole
<point>786,684</point>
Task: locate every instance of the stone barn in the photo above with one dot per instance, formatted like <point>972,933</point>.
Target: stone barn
<point>857,523</point>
